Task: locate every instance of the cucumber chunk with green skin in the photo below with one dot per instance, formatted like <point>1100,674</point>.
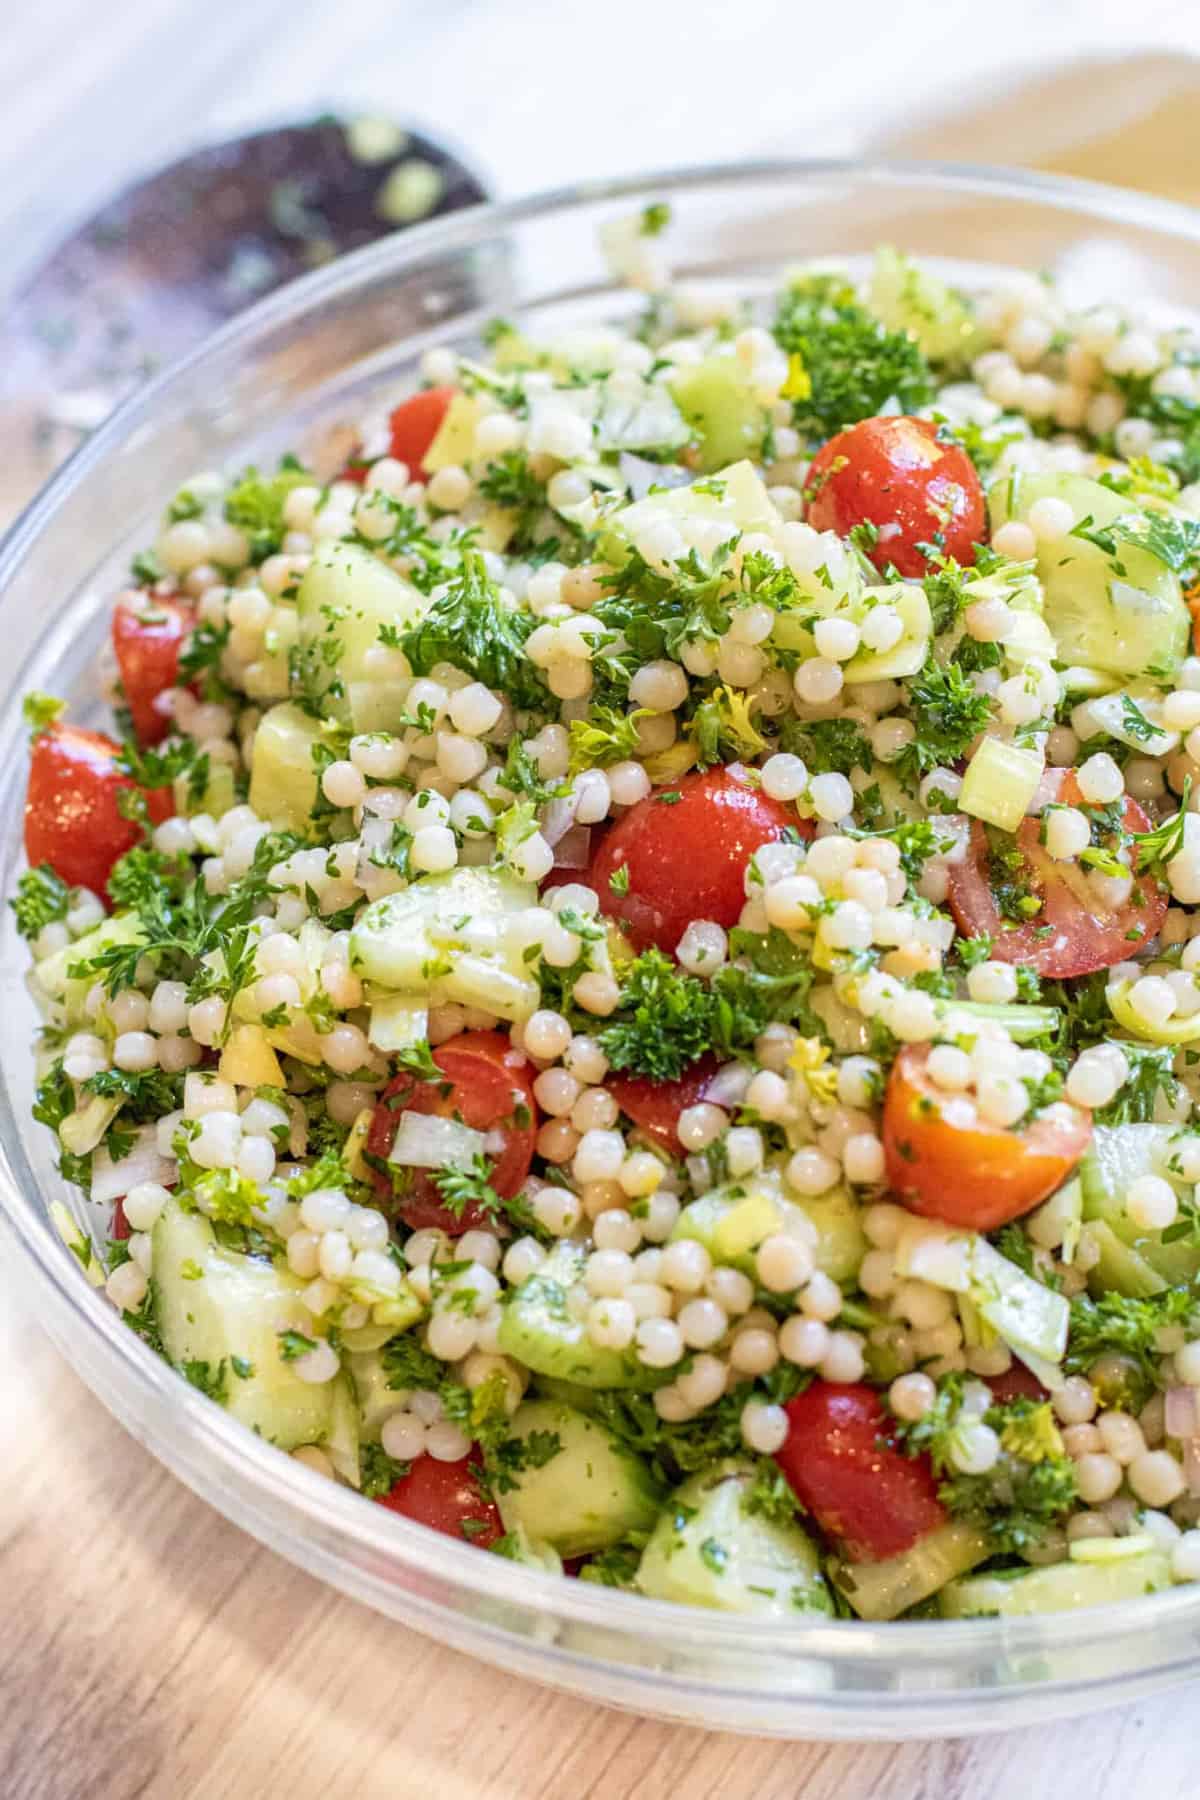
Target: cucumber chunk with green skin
<point>283,775</point>
<point>377,1399</point>
<point>215,1306</point>
<point>708,1549</point>
<point>1022,1023</point>
<point>1119,1268</point>
<point>731,1221</point>
<point>346,598</point>
<point>538,1329</point>
<point>1063,1587</point>
<point>574,1486</point>
<point>715,398</point>
<point>1116,1157</point>
<point>431,941</point>
<point>884,1590</point>
<point>736,496</point>
<point>67,993</point>
<point>1130,619</point>
<point>907,298</point>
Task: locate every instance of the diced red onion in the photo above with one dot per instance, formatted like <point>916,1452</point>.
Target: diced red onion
<point>640,475</point>
<point>113,1180</point>
<point>1191,1465</point>
<point>558,818</point>
<point>1180,1415</point>
<point>574,848</point>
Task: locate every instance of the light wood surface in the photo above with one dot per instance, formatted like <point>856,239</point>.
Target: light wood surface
<point>150,1649</point>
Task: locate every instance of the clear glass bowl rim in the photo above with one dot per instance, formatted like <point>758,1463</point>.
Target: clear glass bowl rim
<point>133,1381</point>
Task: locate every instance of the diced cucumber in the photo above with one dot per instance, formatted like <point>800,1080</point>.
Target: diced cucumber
<point>1021,1022</point>
<point>1000,782</point>
<point>1116,1157</point>
<point>1062,1587</point>
<point>214,1306</point>
<point>538,1329</point>
<point>847,1030</point>
<point>588,1493</point>
<point>521,1548</point>
<point>884,1590</point>
<point>376,1400</point>
<point>346,597</point>
<point>397,1021</point>
<point>343,1437</point>
<point>428,940</point>
<point>841,1242</point>
<point>216,797</point>
<point>82,1130</point>
<point>1125,716</point>
<point>848,599</point>
<point>908,654</point>
<point>735,495</point>
<point>716,399</point>
<point>707,1549</point>
<point>1118,1267</point>
<point>283,775</point>
<point>1031,1319</point>
<point>1173,1031</point>
<point>1061,1214</point>
<point>51,975</point>
<point>1131,620</point>
<point>732,1220</point>
<point>912,299</point>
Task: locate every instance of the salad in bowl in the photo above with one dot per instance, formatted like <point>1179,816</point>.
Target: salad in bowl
<point>621,982</point>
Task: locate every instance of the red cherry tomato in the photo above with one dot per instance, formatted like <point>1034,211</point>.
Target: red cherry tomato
<point>447,1496</point>
<point>1073,933</point>
<point>845,1470</point>
<point>897,475</point>
<point>655,1106</point>
<point>686,857</point>
<point>71,816</point>
<point>489,1085</point>
<point>414,425</point>
<point>147,635</point>
<point>974,1174</point>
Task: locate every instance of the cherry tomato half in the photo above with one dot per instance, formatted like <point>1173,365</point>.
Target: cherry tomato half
<point>447,1496</point>
<point>71,816</point>
<point>148,634</point>
<point>1073,933</point>
<point>976,1175</point>
<point>1016,1383</point>
<point>845,1470</point>
<point>685,849</point>
<point>489,1086</point>
<point>897,475</point>
<point>655,1106</point>
<point>415,423</point>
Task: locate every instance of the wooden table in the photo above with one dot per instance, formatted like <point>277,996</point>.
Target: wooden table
<point>149,1648</point>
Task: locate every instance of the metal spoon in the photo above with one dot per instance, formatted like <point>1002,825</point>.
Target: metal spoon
<point>180,251</point>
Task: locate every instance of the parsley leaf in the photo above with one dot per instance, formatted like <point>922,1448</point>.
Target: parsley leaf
<point>473,629</point>
<point>42,898</point>
<point>848,365</point>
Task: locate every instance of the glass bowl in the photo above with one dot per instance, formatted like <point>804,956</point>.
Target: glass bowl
<point>283,373</point>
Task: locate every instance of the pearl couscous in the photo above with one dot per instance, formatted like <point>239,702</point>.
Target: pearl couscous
<point>627,984</point>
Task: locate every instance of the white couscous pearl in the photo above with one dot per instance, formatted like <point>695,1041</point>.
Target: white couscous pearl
<point>764,1427</point>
